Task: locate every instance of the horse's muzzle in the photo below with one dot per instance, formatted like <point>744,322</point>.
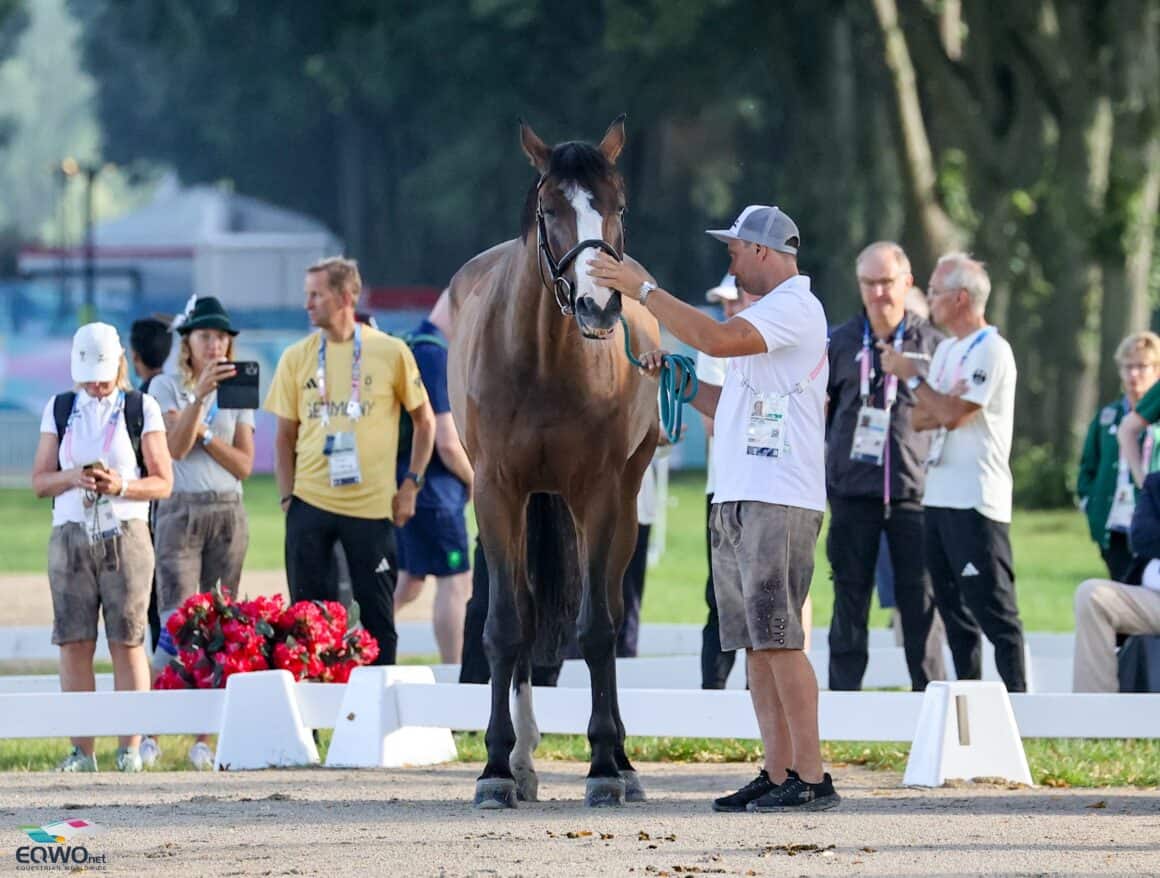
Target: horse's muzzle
<point>597,322</point>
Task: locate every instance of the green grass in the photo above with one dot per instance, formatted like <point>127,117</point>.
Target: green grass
<point>1053,554</point>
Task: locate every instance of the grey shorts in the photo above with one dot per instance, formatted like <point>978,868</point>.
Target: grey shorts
<point>200,538</point>
<point>763,561</point>
<point>113,578</point>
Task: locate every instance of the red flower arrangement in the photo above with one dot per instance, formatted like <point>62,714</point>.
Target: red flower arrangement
<point>217,637</point>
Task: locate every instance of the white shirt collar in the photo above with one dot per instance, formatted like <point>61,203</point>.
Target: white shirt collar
<point>84,400</point>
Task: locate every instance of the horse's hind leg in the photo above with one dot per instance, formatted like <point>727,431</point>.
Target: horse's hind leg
<point>502,641</point>
<point>527,733</point>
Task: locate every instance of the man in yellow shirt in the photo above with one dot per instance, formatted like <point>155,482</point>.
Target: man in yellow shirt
<point>338,395</point>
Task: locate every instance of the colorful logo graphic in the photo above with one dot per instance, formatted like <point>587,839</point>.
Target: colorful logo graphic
<point>61,832</point>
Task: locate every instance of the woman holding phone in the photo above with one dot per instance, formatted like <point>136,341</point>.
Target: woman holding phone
<point>102,457</point>
<point>201,531</point>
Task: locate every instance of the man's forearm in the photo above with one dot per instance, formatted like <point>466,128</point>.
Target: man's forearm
<point>695,329</point>
<point>422,445</point>
<point>285,462</point>
<point>708,395</point>
<point>455,459</point>
<point>944,409</point>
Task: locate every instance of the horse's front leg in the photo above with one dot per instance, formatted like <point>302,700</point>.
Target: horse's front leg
<point>600,612</point>
<point>500,532</point>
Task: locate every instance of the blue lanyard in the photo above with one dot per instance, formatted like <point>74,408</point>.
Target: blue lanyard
<point>110,429</point>
<point>958,369</point>
<point>868,358</point>
<point>354,406</point>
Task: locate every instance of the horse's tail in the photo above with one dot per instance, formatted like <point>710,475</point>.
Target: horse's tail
<point>554,576</point>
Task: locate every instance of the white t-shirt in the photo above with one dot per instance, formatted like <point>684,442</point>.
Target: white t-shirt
<point>793,324</point>
<point>84,442</point>
<point>974,471</point>
<point>710,370</point>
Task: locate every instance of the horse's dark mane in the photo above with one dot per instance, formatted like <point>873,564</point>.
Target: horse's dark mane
<point>571,162</point>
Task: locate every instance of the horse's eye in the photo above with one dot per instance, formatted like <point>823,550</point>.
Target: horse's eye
<point>548,212</point>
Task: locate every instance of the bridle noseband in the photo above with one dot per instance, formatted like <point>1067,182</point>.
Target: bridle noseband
<point>562,287</point>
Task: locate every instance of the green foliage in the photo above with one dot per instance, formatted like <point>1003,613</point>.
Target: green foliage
<point>1042,480</point>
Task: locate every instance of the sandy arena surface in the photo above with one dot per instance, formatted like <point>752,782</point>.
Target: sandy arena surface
<point>419,822</point>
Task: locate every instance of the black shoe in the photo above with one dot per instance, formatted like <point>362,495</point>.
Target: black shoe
<point>795,793</point>
<point>755,789</point>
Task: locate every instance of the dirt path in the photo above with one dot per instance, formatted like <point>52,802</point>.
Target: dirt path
<point>25,600</point>
<point>418,822</point>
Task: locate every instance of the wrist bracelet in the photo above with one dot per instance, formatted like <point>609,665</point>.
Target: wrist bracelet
<point>286,499</point>
<point>124,488</point>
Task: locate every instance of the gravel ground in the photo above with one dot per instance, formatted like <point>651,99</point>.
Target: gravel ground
<point>419,822</point>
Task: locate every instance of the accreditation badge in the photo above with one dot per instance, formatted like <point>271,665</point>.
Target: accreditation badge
<point>1123,501</point>
<point>107,526</point>
<point>870,435</point>
<point>342,459</point>
<point>765,433</point>
<point>934,456</point>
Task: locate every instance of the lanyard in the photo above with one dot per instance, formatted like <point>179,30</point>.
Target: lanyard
<point>867,358</point>
<point>110,428</point>
<point>983,333</point>
<point>211,414</point>
<point>800,387</point>
<point>354,407</point>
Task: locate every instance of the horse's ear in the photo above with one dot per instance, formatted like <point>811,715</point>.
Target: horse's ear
<point>613,141</point>
<point>535,149</point>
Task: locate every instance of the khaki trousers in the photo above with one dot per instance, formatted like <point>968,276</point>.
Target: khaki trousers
<point>1104,609</point>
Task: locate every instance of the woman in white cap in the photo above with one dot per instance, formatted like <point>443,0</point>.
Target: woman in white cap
<point>102,457</point>
<point>201,530</point>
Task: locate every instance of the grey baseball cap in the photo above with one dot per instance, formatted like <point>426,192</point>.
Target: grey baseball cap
<point>762,224</point>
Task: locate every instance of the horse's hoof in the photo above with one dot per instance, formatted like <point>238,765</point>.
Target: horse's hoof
<point>527,784</point>
<point>604,792</point>
<point>633,791</point>
<point>494,793</point>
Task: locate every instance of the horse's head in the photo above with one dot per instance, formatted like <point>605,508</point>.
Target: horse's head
<point>577,208</point>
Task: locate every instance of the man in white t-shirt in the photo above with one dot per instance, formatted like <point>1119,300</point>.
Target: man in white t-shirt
<point>769,490</point>
<point>969,399</point>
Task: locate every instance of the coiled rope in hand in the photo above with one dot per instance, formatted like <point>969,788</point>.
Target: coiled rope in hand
<point>678,385</point>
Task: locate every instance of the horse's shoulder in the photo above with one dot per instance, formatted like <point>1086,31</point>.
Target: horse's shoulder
<point>467,280</point>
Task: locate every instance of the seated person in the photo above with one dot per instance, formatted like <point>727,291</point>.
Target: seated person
<point>1104,608</point>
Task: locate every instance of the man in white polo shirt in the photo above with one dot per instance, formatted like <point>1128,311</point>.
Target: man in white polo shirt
<point>969,400</point>
<point>770,490</point>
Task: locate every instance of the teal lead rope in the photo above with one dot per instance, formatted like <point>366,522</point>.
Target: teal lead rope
<point>678,385</point>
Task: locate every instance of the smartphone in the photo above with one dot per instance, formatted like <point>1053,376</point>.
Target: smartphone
<point>95,465</point>
<point>241,391</point>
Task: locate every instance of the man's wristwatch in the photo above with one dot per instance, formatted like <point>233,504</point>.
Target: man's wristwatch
<point>415,477</point>
<point>207,436</point>
<point>645,288</point>
<point>913,381</point>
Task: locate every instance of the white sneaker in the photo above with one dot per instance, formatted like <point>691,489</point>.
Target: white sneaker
<point>128,760</point>
<point>201,756</point>
<point>150,751</point>
<point>76,761</point>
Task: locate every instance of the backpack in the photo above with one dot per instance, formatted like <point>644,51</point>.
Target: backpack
<point>134,413</point>
<point>406,425</point>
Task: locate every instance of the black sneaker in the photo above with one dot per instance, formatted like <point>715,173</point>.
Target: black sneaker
<point>755,789</point>
<point>795,793</point>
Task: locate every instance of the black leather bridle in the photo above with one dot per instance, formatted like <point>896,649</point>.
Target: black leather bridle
<point>562,287</point>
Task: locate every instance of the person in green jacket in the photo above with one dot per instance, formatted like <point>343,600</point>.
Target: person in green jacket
<point>1114,451</point>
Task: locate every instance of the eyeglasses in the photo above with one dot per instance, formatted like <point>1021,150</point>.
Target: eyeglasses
<point>871,283</point>
<point>1129,368</point>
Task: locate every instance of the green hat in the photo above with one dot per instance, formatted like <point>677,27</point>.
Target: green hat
<point>207,313</point>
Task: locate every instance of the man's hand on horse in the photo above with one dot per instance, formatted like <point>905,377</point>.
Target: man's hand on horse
<point>403,503</point>
<point>623,276</point>
<point>651,362</point>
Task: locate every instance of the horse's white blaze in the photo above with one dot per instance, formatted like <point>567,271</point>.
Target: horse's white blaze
<point>527,732</point>
<point>589,226</point>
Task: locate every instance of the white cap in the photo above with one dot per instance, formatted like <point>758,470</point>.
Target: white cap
<point>96,353</point>
<point>726,291</point>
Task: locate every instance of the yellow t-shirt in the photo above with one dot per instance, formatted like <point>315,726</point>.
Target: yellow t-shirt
<point>389,376</point>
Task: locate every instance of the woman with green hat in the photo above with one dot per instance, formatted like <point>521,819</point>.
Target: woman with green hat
<point>201,531</point>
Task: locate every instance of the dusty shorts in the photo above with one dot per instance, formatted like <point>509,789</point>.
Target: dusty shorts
<point>113,577</point>
<point>763,561</point>
<point>200,538</point>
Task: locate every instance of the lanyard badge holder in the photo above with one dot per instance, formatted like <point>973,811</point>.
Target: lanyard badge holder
<point>341,448</point>
<point>871,442</point>
<point>934,456</point>
<point>768,413</point>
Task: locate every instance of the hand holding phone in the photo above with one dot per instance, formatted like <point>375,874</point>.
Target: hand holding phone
<point>240,390</point>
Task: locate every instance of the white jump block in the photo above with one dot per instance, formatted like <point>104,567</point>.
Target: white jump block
<point>966,730</point>
<point>262,725</point>
<point>369,732</point>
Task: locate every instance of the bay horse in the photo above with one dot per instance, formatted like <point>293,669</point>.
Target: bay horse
<point>559,428</point>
